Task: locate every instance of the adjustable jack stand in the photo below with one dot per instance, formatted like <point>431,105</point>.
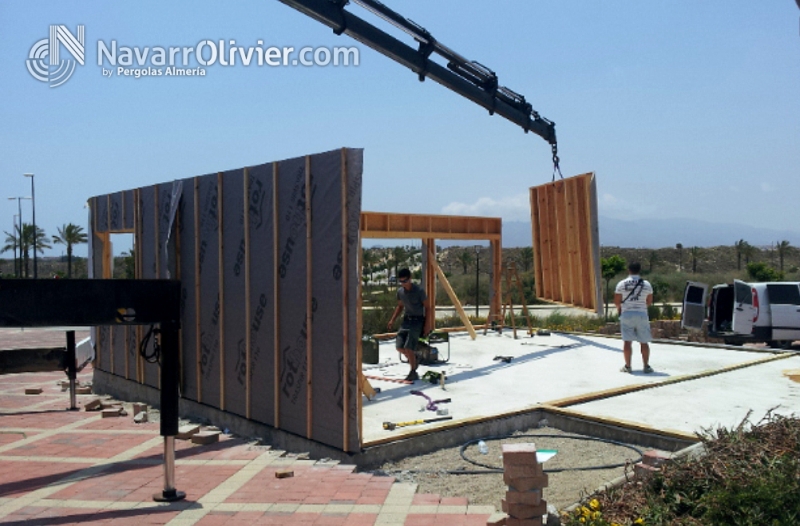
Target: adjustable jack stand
<point>72,372</point>
<point>170,376</point>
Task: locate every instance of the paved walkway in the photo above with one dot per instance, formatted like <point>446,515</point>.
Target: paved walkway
<point>60,467</point>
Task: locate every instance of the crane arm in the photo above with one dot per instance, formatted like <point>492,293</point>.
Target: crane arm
<point>467,78</point>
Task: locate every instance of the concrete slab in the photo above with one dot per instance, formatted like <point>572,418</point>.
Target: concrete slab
<point>709,402</point>
<point>562,370</point>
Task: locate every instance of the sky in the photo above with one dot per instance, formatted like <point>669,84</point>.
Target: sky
<point>683,109</point>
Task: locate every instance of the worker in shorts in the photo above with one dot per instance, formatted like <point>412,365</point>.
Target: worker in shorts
<point>411,298</point>
<point>632,297</point>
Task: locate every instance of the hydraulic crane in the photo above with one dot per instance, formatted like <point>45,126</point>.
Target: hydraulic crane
<point>468,78</point>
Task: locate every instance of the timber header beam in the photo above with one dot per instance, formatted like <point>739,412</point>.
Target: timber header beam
<point>419,226</point>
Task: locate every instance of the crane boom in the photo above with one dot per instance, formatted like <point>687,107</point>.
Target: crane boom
<point>467,78</point>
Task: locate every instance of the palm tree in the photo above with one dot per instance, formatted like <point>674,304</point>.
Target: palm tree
<point>680,257</point>
<point>652,259</point>
<point>70,234</point>
<point>12,244</point>
<point>28,240</point>
<point>740,249</point>
<point>465,258</point>
<point>399,255</point>
<point>783,250</point>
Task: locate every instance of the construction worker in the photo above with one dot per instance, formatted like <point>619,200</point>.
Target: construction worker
<point>633,320</point>
<point>411,298</point>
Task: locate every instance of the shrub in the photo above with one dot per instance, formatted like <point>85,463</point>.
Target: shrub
<point>761,272</point>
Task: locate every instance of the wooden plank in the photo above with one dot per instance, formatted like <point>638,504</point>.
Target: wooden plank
<point>309,301</point>
<point>584,232</point>
<point>544,246</point>
<point>553,234</point>
<point>248,337</point>
<point>573,239</point>
<point>497,271</point>
<point>536,239</point>
<point>221,281</point>
<point>559,191</point>
<point>421,226</point>
<point>345,303</point>
<point>137,271</point>
<point>276,304</point>
<point>457,304</point>
<point>158,252</point>
<point>359,350</point>
<point>429,246</point>
<point>198,350</point>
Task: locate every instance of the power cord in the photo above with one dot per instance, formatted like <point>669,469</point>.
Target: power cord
<point>155,356</point>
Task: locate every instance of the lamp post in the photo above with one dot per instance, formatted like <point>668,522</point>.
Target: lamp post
<point>477,279</point>
<point>33,203</point>
<point>16,271</point>
<point>19,233</point>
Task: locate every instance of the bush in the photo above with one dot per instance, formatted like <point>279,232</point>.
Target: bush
<point>761,272</point>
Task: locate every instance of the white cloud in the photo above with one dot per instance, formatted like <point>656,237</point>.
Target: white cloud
<point>512,208</point>
<point>623,208</point>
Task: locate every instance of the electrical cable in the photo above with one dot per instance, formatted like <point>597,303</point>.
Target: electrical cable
<point>491,470</point>
<point>155,356</point>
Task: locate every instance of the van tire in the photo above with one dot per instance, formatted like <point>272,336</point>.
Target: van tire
<point>737,343</point>
<point>779,344</point>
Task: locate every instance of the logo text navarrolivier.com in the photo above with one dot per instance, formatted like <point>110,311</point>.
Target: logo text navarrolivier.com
<point>44,59</point>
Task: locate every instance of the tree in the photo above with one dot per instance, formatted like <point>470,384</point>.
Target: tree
<point>69,235</point>
<point>526,258</point>
<point>399,255</point>
<point>465,258</point>
<point>761,272</point>
<point>39,241</point>
<point>695,251</point>
<point>368,260</point>
<point>12,245</point>
<point>680,257</point>
<point>610,267</point>
<point>783,250</point>
<point>740,247</point>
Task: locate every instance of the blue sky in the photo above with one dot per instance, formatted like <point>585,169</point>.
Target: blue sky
<point>684,109</point>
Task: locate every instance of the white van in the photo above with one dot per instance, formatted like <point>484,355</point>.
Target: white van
<point>742,312</point>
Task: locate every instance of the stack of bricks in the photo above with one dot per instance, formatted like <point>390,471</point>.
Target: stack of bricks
<point>525,479</point>
<point>651,463</point>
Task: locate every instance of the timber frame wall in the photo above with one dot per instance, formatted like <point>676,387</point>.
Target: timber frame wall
<point>267,257</point>
<point>429,228</point>
<point>566,243</point>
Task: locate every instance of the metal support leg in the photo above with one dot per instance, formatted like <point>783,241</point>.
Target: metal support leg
<point>170,375</point>
<point>72,372</point>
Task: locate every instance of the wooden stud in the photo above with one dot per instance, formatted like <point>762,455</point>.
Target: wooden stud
<point>137,244</point>
<point>276,369</point>
<point>453,298</point>
<point>248,337</point>
<point>559,191</point>
<point>197,311</point>
<point>178,225</point>
<point>220,274</point>
<point>359,350</point>
<point>309,301</point>
<point>345,303</point>
<point>158,251</point>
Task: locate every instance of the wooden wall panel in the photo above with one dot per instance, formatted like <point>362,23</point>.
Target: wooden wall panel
<point>566,247</point>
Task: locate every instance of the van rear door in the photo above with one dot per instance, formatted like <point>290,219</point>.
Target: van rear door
<point>694,305</point>
<point>784,301</point>
<point>743,310</point>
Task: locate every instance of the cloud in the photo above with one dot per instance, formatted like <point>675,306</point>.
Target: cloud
<point>512,208</point>
<point>635,208</point>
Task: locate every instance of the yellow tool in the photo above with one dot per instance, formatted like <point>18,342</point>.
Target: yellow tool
<point>391,426</point>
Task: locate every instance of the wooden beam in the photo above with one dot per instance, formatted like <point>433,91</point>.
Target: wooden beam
<point>457,304</point>
<point>345,303</point>
<point>248,337</point>
<point>276,341</point>
<point>418,226</point>
<point>221,281</point>
<point>309,310</point>
<point>197,310</point>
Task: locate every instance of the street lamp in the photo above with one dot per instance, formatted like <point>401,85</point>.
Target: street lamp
<point>19,233</point>
<point>477,278</point>
<point>33,203</point>
<point>16,271</point>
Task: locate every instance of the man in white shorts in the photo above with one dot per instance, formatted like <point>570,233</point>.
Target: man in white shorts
<point>632,297</point>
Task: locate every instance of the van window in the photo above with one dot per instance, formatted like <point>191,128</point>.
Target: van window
<point>695,295</point>
<point>743,293</point>
<point>783,294</point>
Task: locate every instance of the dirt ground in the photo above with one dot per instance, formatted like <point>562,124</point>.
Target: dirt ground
<point>565,488</point>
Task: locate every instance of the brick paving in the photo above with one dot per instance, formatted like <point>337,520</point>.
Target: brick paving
<point>60,467</point>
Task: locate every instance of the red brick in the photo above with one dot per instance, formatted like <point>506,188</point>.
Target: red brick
<point>511,521</point>
<point>529,498</point>
<point>526,483</point>
<point>205,437</point>
<point>524,511</point>
<point>107,413</point>
<point>516,471</point>
<point>519,454</point>
<point>280,474</point>
<point>33,390</point>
